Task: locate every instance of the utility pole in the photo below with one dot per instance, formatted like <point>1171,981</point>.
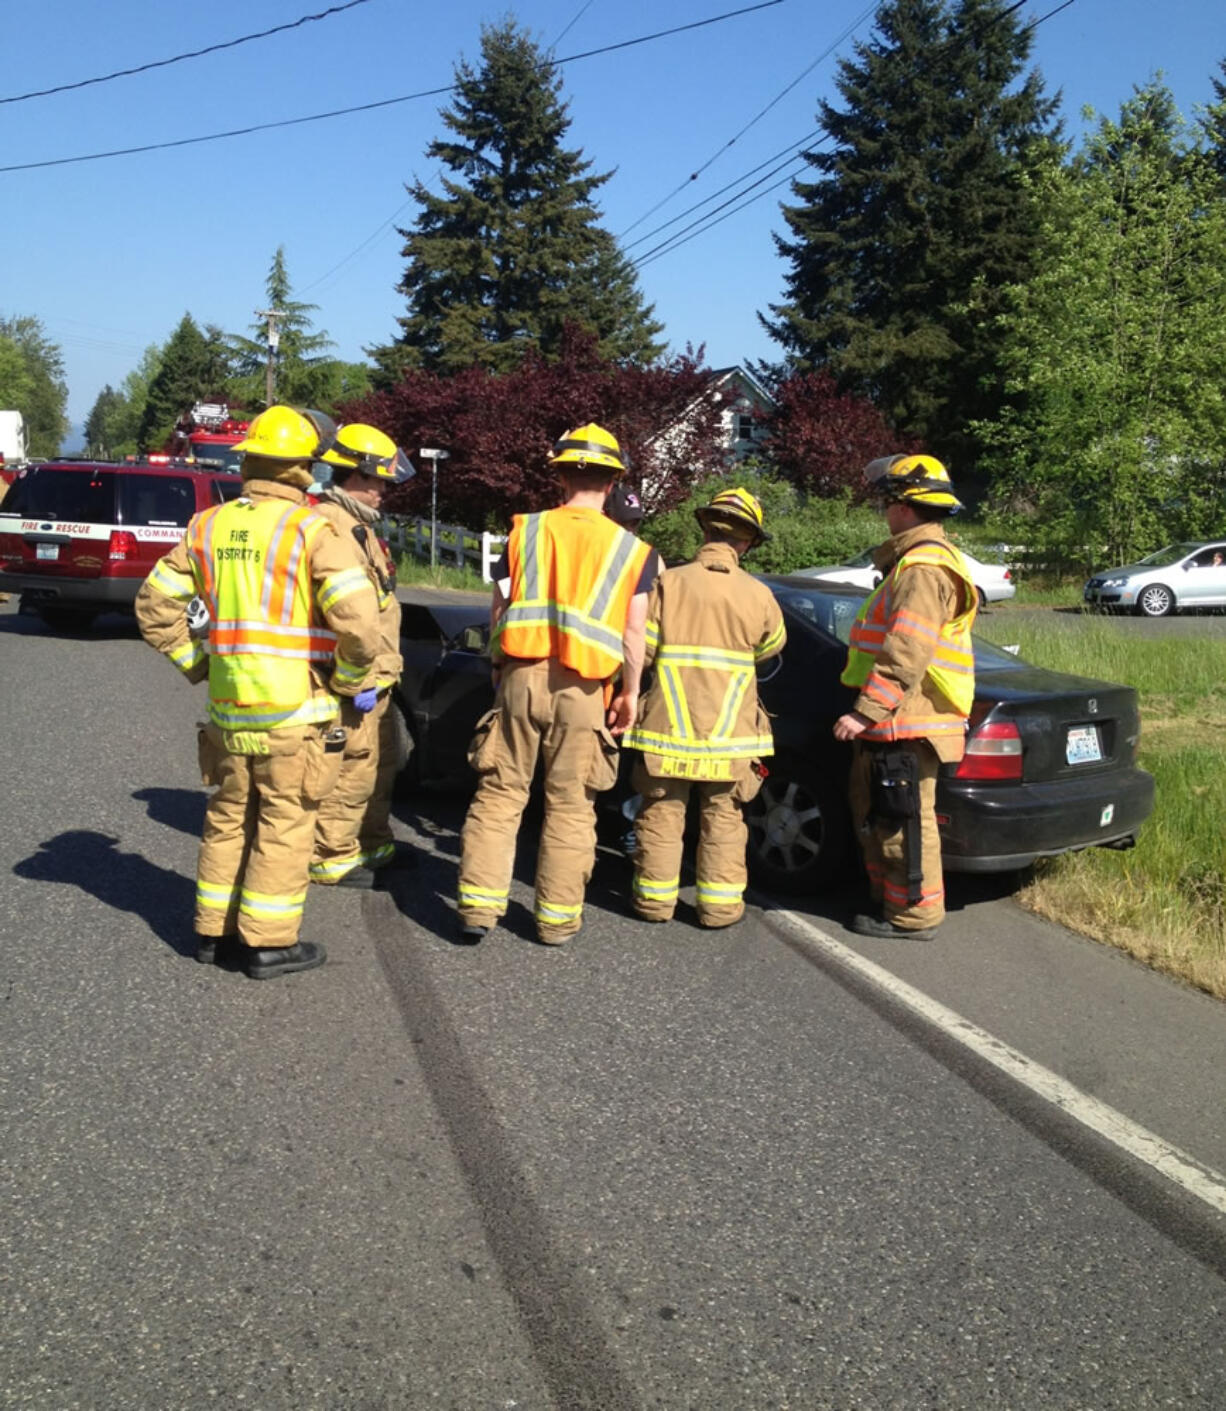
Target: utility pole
<point>274,340</point>
<point>428,453</point>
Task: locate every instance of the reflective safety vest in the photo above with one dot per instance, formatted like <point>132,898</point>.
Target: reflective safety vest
<point>950,674</point>
<point>252,564</point>
<point>573,574</point>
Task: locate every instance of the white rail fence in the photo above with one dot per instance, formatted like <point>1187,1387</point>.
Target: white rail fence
<point>452,544</point>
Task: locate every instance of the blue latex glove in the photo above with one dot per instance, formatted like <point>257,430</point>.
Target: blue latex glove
<point>365,700</point>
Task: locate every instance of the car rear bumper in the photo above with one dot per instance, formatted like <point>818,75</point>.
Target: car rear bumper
<point>36,588</point>
<point>998,828</point>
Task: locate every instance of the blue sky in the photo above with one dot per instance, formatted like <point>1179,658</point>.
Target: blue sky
<point>109,254</point>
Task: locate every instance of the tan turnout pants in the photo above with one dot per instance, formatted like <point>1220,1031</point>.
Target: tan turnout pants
<point>884,845</point>
<point>353,828</point>
<point>659,836</point>
<point>543,710</point>
<point>255,852</point>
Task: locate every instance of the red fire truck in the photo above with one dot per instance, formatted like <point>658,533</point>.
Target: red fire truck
<point>209,433</point>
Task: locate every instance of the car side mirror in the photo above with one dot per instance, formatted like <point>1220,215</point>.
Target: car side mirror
<point>473,639</point>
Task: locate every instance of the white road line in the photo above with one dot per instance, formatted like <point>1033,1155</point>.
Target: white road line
<point>1169,1161</point>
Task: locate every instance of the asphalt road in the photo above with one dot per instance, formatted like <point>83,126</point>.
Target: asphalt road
<point>656,1168</point>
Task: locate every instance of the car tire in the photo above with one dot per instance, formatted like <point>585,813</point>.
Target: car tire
<point>1156,600</point>
<point>983,600</point>
<point>799,827</point>
<point>405,747</point>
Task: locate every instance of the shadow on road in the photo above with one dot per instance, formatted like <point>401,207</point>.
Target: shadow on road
<point>123,881</point>
<point>175,808</point>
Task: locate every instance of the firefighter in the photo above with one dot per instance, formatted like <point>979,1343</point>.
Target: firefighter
<point>910,659</point>
<point>702,727</point>
<point>353,835</point>
<point>569,605</point>
<point>293,624</point>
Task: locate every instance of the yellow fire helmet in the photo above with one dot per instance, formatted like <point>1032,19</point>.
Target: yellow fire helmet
<point>919,480</point>
<point>280,434</point>
<point>737,510</point>
<point>589,445</point>
<point>364,448</point>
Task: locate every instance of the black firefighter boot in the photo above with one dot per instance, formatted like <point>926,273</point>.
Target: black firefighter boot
<point>266,962</point>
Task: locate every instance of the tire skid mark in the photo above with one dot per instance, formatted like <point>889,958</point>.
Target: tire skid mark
<point>570,1346</point>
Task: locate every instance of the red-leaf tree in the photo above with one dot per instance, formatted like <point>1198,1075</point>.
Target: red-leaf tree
<point>499,429</point>
<point>821,438</point>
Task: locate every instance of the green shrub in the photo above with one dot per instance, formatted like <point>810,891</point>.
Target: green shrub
<point>805,531</point>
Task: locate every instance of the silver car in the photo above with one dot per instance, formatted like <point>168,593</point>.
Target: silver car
<point>1181,576</point>
<point>993,581</point>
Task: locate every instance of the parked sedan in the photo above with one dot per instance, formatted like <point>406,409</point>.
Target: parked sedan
<point>994,581</point>
<point>1050,764</point>
<point>1181,576</point>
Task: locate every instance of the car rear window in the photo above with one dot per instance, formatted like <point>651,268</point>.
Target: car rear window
<point>75,496</point>
<point>164,500</point>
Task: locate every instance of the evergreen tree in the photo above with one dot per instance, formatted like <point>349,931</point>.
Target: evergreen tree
<point>121,420</point>
<point>40,392</point>
<point>918,216</point>
<point>304,373</point>
<point>97,437</point>
<point>185,376</point>
<point>512,250</point>
<point>1214,122</point>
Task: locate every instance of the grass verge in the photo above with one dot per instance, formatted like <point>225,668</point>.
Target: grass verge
<point>410,572</point>
<point>1165,900</point>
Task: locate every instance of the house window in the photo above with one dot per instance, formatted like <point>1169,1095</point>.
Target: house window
<point>745,426</point>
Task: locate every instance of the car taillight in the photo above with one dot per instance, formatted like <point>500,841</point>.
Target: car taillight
<point>1008,575</point>
<point>993,751</point>
<point>123,545</point>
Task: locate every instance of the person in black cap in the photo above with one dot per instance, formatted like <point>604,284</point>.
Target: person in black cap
<point>624,507</point>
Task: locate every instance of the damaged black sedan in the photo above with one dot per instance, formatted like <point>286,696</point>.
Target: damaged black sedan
<point>1050,766</point>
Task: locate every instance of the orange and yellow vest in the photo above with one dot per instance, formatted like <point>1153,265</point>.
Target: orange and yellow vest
<point>951,673</point>
<point>252,565</point>
<point>573,574</point>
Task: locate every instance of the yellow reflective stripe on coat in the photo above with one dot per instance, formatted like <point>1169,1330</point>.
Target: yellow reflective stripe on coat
<point>215,896</point>
<point>271,904</point>
<point>338,586</point>
<point>344,673</point>
<point>172,582</point>
<point>734,747</point>
<point>315,710</point>
<point>188,656</point>
<point>772,643</point>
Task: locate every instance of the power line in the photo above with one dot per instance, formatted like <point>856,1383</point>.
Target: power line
<point>574,21</point>
<point>719,151</point>
<point>382,103</point>
<point>706,200</point>
<point>675,242</point>
<point>179,58</point>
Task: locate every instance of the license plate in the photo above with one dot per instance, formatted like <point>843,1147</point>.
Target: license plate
<point>47,551</point>
<point>1082,745</point>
